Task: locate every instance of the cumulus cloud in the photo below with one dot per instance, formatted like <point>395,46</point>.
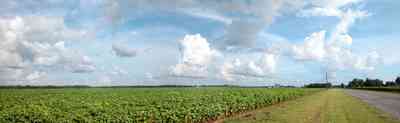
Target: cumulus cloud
<point>104,80</point>
<point>336,57</point>
<point>327,7</point>
<point>264,67</point>
<point>29,41</point>
<point>340,35</point>
<point>196,55</point>
<point>240,32</point>
<point>36,76</point>
<point>366,63</point>
<point>12,7</point>
<point>212,15</point>
<point>312,49</point>
<point>334,51</point>
<point>118,71</point>
<point>79,64</point>
<point>149,76</point>
<point>124,51</point>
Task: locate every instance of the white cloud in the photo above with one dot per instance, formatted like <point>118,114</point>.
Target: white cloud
<point>79,64</point>
<point>189,70</point>
<point>239,69</point>
<point>30,44</point>
<point>312,49</point>
<point>268,63</point>
<point>209,15</point>
<point>345,59</point>
<point>373,58</point>
<point>340,35</point>
<point>29,41</point>
<point>334,51</point>
<point>320,12</point>
<point>124,51</point>
<point>196,56</point>
<point>149,76</point>
<point>241,28</point>
<point>196,50</point>
<point>337,57</point>
<point>327,7</point>
<point>36,76</point>
<point>118,71</point>
<point>104,80</point>
<point>228,68</point>
<point>40,53</point>
<point>333,3</point>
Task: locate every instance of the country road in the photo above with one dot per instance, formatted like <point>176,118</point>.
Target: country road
<point>388,102</point>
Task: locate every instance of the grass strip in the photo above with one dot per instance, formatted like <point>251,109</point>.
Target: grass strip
<point>331,106</point>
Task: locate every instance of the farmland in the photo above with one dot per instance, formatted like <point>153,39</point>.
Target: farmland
<point>332,106</point>
<point>186,104</point>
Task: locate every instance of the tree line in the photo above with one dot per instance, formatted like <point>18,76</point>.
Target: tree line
<point>319,85</point>
<point>357,83</point>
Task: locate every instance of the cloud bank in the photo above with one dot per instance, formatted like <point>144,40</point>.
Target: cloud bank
<point>240,31</point>
<point>196,56</point>
<point>217,40</point>
<point>124,51</point>
<point>38,41</point>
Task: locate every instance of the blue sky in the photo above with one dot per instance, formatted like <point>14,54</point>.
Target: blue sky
<point>245,42</point>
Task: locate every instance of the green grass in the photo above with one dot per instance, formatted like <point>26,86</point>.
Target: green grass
<point>136,104</point>
<point>332,106</point>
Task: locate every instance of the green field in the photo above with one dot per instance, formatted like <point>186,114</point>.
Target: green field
<point>332,106</point>
<point>136,104</point>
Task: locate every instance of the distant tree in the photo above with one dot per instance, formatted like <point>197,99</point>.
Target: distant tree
<point>319,85</point>
<point>355,83</point>
<point>373,83</point>
<point>398,81</point>
<point>378,83</point>
<point>342,85</point>
<point>368,82</point>
<point>390,83</point>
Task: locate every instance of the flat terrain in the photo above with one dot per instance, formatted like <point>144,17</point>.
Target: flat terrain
<point>158,104</point>
<point>331,106</point>
<point>388,102</point>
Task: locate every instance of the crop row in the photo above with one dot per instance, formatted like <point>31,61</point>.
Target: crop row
<point>135,104</point>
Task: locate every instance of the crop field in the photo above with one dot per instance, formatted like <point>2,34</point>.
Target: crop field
<point>136,104</point>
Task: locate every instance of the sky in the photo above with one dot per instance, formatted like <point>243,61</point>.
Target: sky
<point>196,42</point>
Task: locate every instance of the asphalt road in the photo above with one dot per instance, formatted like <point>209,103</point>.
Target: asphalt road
<point>388,102</point>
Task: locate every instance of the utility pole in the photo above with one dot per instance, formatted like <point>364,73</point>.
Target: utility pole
<point>326,77</point>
